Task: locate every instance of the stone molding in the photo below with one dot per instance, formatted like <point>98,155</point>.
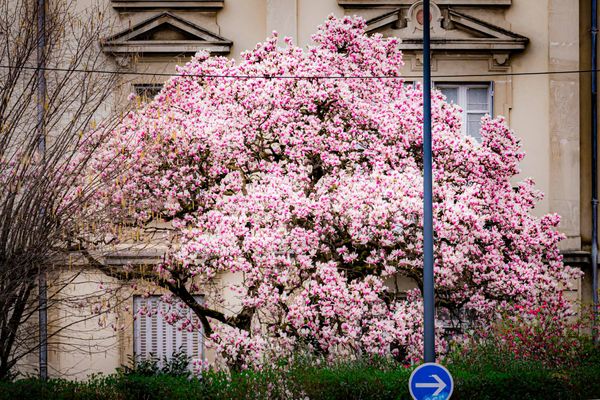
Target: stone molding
<point>166,4</point>
<point>132,41</point>
<point>149,257</point>
<point>577,258</point>
<point>392,3</point>
<point>475,35</point>
<point>145,257</point>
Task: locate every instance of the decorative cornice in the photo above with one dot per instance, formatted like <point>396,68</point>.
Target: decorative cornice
<point>576,257</point>
<point>154,256</point>
<point>168,4</point>
<point>464,45</point>
<point>488,38</point>
<point>484,27</point>
<point>131,41</point>
<point>392,3</point>
<point>135,257</point>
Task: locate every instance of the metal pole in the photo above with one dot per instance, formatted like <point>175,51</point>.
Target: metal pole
<point>41,89</point>
<point>428,289</point>
<point>595,170</point>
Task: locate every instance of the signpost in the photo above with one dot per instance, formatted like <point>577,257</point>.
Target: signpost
<point>428,290</point>
<point>431,381</point>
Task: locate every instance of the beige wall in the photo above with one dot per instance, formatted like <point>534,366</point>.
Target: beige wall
<point>244,22</point>
<point>86,343</point>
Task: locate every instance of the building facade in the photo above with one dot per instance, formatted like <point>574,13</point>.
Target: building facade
<point>484,52</point>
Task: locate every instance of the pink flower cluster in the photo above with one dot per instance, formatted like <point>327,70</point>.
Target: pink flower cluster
<point>310,189</point>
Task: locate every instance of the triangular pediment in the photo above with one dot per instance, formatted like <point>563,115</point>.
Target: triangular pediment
<point>451,31</point>
<point>166,33</point>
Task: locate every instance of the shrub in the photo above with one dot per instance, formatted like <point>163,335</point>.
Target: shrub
<point>539,334</point>
<point>487,373</point>
<point>177,365</point>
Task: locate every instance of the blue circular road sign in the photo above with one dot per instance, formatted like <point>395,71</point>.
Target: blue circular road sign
<point>431,381</point>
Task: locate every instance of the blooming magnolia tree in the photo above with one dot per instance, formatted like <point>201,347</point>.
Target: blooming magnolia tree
<point>307,188</point>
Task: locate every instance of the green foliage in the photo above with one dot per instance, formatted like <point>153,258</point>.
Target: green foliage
<point>486,371</point>
<point>483,373</point>
<point>96,388</point>
<point>177,365</point>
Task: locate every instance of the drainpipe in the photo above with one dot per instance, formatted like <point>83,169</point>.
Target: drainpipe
<point>595,169</point>
<point>42,283</point>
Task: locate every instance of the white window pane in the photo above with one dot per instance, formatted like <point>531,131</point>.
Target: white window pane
<point>451,94</point>
<point>474,124</point>
<point>477,99</point>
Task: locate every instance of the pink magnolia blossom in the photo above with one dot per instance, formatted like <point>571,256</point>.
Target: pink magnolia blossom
<point>310,190</point>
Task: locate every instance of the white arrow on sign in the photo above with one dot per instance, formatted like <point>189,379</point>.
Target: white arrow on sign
<point>440,385</point>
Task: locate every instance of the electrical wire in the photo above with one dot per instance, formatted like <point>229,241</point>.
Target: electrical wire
<point>493,74</point>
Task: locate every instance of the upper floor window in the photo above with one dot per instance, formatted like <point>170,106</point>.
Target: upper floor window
<point>147,91</point>
<point>474,98</point>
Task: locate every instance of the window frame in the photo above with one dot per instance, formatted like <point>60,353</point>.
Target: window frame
<point>462,96</point>
<point>138,325</point>
<point>147,91</point>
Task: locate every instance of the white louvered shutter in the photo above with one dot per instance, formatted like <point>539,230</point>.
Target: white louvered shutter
<point>153,336</point>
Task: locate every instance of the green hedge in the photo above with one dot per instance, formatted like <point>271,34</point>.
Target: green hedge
<point>363,380</point>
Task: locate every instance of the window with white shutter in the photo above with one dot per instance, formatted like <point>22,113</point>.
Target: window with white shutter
<point>153,337</point>
<point>474,98</point>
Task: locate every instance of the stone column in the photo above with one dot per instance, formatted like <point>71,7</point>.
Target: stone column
<point>563,54</point>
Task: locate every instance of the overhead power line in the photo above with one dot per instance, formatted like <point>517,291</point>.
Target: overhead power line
<point>493,74</point>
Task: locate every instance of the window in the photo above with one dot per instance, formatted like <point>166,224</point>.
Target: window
<point>154,337</point>
<point>147,91</point>
<point>474,98</point>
